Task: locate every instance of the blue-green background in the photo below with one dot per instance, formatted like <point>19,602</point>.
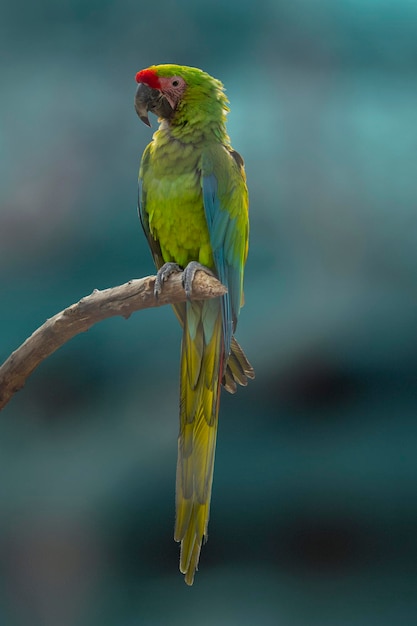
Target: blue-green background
<point>314,508</point>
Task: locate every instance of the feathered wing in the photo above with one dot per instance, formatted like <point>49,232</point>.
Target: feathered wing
<point>154,246</point>
<point>226,207</point>
<point>207,343</point>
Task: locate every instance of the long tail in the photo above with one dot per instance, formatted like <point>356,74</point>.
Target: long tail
<point>202,358</point>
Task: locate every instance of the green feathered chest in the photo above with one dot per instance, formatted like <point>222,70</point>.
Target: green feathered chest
<point>173,201</point>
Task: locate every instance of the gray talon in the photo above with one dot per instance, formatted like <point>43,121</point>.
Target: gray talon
<point>163,274</point>
<point>189,274</point>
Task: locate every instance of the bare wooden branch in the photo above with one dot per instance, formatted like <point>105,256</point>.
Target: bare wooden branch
<point>121,300</point>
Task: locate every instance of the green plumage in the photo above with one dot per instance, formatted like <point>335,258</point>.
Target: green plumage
<point>193,205</point>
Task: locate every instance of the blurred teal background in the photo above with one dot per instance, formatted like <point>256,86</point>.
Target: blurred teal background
<point>314,504</point>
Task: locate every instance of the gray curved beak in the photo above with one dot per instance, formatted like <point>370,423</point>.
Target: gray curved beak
<point>148,99</point>
<point>143,98</point>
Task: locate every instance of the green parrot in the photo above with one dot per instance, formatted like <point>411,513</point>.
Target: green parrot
<point>193,205</point>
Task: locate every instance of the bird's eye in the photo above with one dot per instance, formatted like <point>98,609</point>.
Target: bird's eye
<point>175,83</point>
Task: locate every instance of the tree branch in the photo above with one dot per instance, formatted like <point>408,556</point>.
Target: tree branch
<point>121,300</point>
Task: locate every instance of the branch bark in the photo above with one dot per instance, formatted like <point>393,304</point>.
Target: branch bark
<point>121,300</point>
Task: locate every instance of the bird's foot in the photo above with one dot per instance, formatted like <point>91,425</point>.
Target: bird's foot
<point>189,273</point>
<point>163,274</point>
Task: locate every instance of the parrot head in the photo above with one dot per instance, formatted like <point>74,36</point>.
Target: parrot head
<point>164,89</point>
<point>159,94</point>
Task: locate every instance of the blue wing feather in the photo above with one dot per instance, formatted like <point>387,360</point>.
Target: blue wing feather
<point>219,224</point>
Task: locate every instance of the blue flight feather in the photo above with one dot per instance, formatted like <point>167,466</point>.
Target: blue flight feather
<point>219,223</point>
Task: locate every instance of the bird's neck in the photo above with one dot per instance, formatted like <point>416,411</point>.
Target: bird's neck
<point>196,121</point>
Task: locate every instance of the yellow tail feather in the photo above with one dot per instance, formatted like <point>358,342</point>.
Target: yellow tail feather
<point>201,373</point>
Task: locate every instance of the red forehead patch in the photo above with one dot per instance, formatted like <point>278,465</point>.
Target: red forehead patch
<point>149,77</point>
